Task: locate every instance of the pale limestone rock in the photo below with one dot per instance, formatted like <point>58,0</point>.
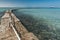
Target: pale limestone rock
<point>14,17</point>
<point>29,36</point>
<point>7,32</point>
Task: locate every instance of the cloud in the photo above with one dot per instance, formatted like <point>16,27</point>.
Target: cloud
<point>5,5</point>
<point>12,5</point>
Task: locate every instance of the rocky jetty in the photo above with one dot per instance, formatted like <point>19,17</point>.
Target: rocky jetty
<point>11,28</point>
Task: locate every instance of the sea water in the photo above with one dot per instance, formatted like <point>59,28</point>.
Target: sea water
<point>51,14</point>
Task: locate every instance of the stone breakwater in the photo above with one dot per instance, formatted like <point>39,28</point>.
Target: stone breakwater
<point>15,32</point>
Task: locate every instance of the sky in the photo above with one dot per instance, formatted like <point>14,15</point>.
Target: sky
<point>29,3</point>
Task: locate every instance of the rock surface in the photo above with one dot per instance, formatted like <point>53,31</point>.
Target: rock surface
<point>6,31</point>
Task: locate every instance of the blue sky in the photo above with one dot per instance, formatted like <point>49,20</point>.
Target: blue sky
<point>29,3</point>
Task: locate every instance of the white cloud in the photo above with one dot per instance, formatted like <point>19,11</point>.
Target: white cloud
<point>5,5</point>
<point>12,5</point>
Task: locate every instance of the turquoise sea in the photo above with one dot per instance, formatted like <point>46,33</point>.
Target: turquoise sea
<point>51,14</point>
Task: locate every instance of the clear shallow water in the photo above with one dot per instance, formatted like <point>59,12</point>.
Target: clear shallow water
<point>51,14</point>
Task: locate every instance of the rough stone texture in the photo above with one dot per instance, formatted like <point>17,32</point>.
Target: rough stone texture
<point>29,36</point>
<point>7,33</point>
